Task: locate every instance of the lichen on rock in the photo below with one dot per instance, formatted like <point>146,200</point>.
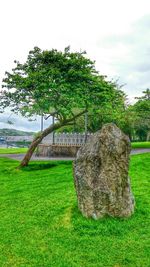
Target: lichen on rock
<point>101,175</point>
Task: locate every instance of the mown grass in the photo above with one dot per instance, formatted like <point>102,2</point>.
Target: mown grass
<point>41,226</point>
<point>24,150</point>
<point>13,150</point>
<point>140,144</point>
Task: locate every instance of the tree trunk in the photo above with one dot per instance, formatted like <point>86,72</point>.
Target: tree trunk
<point>37,141</point>
<point>30,151</point>
<point>43,134</point>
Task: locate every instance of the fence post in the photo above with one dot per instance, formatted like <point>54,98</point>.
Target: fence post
<point>86,126</point>
<point>53,136</point>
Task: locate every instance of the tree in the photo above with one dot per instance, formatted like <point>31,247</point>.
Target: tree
<point>142,116</point>
<point>54,83</point>
<point>146,95</point>
<point>114,111</point>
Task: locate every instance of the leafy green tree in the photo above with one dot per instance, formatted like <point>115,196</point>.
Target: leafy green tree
<point>54,83</point>
<point>142,116</point>
<point>146,95</point>
<point>113,111</point>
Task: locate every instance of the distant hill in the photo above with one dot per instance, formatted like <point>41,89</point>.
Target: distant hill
<point>13,132</point>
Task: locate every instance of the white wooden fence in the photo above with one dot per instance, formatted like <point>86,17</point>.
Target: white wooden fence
<point>66,139</point>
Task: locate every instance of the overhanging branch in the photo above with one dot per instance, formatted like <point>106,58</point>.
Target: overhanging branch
<point>74,117</point>
<point>51,114</point>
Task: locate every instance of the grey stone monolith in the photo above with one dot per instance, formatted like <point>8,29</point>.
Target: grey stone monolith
<point>101,175</point>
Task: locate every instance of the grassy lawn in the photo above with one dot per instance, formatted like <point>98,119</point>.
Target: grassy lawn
<point>24,150</point>
<point>41,226</point>
<point>13,150</point>
<point>140,144</point>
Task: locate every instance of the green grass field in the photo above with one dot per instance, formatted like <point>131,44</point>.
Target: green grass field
<point>41,226</point>
<point>13,150</point>
<point>140,144</point>
<point>24,150</point>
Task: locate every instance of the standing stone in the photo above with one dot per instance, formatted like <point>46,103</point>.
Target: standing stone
<point>101,174</point>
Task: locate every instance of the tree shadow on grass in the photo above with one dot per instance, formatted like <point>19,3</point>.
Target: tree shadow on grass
<point>36,166</point>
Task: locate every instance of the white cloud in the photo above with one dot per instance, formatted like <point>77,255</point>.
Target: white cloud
<point>114,33</point>
<point>21,123</point>
<point>128,56</point>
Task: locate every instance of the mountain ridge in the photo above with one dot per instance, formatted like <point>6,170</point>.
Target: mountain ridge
<point>14,132</point>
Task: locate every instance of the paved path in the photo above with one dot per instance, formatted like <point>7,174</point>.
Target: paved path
<point>20,156</point>
<point>140,151</point>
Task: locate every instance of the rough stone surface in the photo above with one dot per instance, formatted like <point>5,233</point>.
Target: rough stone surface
<point>101,175</point>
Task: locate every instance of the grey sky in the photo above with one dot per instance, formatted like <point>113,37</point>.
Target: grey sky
<point>133,66</point>
<point>21,123</point>
<point>114,33</point>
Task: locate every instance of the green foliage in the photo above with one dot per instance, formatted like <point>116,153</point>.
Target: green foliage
<point>59,83</point>
<point>146,95</point>
<point>41,225</point>
<point>113,111</point>
<point>141,112</point>
<point>13,150</point>
<point>134,120</point>
<point>140,144</point>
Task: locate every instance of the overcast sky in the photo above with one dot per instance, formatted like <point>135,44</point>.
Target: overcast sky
<point>116,34</point>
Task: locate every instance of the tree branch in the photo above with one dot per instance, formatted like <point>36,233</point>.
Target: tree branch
<point>70,123</point>
<point>51,114</point>
<point>74,117</point>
